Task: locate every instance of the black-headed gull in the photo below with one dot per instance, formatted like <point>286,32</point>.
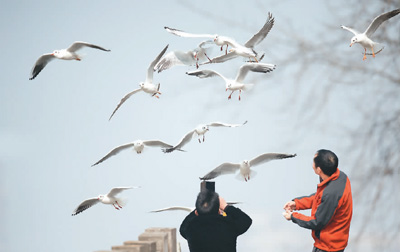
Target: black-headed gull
<point>364,38</point>
<point>147,86</point>
<point>245,50</point>
<point>237,83</point>
<point>200,130</point>
<point>109,198</point>
<point>180,58</point>
<point>137,145</point>
<point>64,54</point>
<point>244,167</point>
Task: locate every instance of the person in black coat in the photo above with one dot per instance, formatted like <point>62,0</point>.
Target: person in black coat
<point>213,225</point>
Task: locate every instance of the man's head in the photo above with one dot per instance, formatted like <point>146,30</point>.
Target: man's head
<point>207,202</point>
<point>327,161</point>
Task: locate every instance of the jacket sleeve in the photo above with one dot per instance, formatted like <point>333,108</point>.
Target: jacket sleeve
<point>183,230</point>
<point>241,220</point>
<point>305,202</point>
<point>323,215</point>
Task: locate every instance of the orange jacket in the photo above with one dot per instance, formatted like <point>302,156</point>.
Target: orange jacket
<point>331,212</point>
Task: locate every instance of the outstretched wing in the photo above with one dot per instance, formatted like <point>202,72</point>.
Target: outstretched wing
<point>174,208</point>
<point>268,157</point>
<point>261,34</point>
<point>219,124</point>
<point>379,20</point>
<point>183,141</point>
<point>157,143</point>
<point>126,97</point>
<point>113,192</point>
<point>222,58</point>
<point>355,32</point>
<point>79,44</point>
<point>205,74</point>
<point>186,34</point>
<point>150,70</point>
<point>254,67</point>
<point>41,62</point>
<point>225,168</point>
<point>85,205</point>
<point>114,151</point>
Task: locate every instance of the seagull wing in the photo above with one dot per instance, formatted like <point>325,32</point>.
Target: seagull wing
<point>126,97</point>
<point>268,157</point>
<point>41,62</point>
<point>114,151</point>
<point>261,34</point>
<point>379,20</point>
<point>355,32</point>
<point>174,208</point>
<point>79,44</point>
<point>225,168</point>
<point>183,141</point>
<point>219,124</point>
<point>223,58</point>
<point>186,34</point>
<point>206,74</point>
<point>113,192</point>
<point>157,143</point>
<point>254,67</point>
<point>150,70</point>
<point>173,59</point>
<point>85,205</point>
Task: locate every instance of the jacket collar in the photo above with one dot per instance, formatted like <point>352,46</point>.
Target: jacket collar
<point>334,176</point>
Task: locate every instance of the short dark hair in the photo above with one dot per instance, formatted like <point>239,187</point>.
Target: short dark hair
<point>207,202</point>
<point>327,161</point>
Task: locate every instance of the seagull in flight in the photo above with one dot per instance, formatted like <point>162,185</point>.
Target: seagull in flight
<point>237,83</point>
<point>64,54</point>
<point>364,38</point>
<point>244,167</point>
<point>200,130</point>
<point>137,145</point>
<point>180,58</point>
<point>246,50</point>
<point>109,198</point>
<point>147,86</point>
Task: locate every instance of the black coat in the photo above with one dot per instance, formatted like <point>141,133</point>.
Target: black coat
<point>214,232</point>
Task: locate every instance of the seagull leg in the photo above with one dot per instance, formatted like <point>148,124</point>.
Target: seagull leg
<point>118,204</point>
<point>365,52</point>
<point>373,53</point>
<point>230,96</point>
<point>240,92</point>
<point>226,49</point>
<point>115,207</point>
<point>208,57</point>
<point>199,140</point>
<point>78,59</point>
<point>203,137</point>
<point>256,59</point>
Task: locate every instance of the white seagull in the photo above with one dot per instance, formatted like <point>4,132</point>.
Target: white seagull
<point>147,86</point>
<point>364,38</point>
<point>200,130</point>
<point>188,58</point>
<point>244,167</point>
<point>137,145</point>
<point>109,198</point>
<point>64,54</point>
<point>237,83</point>
<point>245,50</point>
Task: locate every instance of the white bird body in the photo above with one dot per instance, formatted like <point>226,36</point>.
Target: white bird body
<point>137,145</point>
<point>64,54</point>
<point>200,130</point>
<point>181,58</point>
<point>109,198</point>
<point>147,86</point>
<point>237,83</point>
<point>245,171</point>
<point>364,38</point>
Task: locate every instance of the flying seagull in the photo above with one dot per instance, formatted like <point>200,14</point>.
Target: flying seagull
<point>137,145</point>
<point>200,130</point>
<point>180,58</point>
<point>222,41</point>
<point>244,167</point>
<point>147,86</point>
<point>364,38</point>
<point>109,198</point>
<point>237,83</point>
<point>64,54</point>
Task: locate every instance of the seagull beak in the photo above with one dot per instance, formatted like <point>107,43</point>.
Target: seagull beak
<point>351,44</point>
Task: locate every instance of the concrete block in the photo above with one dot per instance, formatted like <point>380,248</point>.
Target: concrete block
<point>171,232</point>
<point>161,239</point>
<point>150,246</point>
<point>129,248</point>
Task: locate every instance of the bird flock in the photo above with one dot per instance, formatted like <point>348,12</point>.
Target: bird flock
<point>200,57</point>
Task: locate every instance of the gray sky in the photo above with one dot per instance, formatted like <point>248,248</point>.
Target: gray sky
<point>53,128</point>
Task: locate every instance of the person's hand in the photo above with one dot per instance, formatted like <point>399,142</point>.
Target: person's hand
<point>287,214</point>
<point>290,206</point>
<point>222,204</point>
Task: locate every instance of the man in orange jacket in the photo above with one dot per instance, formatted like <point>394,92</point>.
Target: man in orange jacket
<point>331,206</point>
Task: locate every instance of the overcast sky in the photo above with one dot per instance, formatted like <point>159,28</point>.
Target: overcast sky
<point>53,128</point>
